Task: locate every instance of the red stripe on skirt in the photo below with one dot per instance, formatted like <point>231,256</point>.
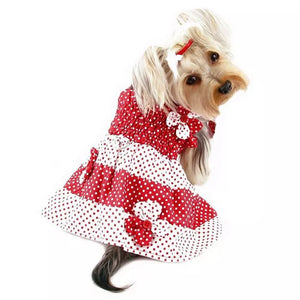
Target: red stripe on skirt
<point>122,189</point>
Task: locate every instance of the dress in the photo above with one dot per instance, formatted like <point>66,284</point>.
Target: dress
<point>132,191</point>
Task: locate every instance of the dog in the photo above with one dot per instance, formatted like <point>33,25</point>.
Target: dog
<point>164,123</point>
<point>205,79</point>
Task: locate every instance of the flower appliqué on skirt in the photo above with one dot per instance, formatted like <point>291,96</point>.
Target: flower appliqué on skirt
<point>144,225</point>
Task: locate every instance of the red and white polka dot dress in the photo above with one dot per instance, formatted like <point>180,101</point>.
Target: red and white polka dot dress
<point>132,191</point>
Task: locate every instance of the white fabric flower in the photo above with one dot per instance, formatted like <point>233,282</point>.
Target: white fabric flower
<point>183,130</point>
<point>150,210</point>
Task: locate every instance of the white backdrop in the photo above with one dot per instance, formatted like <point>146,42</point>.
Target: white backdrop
<point>62,66</point>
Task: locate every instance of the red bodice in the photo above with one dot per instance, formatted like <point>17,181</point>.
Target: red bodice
<point>168,133</point>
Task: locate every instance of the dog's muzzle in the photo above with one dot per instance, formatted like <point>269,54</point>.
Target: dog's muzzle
<point>226,87</point>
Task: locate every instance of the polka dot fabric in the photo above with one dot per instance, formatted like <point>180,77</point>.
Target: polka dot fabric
<point>153,129</point>
<point>132,191</point>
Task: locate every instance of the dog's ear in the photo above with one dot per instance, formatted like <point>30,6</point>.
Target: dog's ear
<point>151,80</point>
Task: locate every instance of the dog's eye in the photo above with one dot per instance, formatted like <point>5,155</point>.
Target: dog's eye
<point>192,80</point>
<point>214,57</point>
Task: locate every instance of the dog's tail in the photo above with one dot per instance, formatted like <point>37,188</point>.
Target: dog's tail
<point>113,258</point>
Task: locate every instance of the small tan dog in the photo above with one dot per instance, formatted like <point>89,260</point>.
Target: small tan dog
<point>136,194</point>
<point>202,81</point>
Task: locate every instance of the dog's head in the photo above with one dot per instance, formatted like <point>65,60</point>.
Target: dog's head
<point>204,77</point>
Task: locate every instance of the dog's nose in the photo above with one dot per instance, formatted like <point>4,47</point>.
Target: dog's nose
<point>226,87</point>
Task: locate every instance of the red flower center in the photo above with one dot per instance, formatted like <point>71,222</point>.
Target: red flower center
<point>147,224</point>
<point>183,118</point>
